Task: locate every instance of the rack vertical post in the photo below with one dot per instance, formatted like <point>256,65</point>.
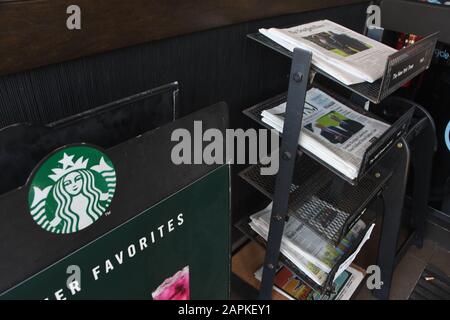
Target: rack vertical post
<point>298,85</point>
<point>422,162</point>
<point>393,210</point>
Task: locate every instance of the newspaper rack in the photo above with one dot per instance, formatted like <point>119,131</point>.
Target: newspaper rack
<point>401,66</point>
<point>298,179</point>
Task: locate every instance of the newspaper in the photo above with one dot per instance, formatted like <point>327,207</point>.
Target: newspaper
<point>311,254</point>
<point>290,286</point>
<point>344,54</point>
<point>307,267</point>
<point>307,243</point>
<point>332,131</point>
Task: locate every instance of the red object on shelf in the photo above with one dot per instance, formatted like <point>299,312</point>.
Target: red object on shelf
<point>405,40</point>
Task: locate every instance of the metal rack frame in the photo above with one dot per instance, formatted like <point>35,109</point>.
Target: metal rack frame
<point>398,157</point>
<point>298,83</point>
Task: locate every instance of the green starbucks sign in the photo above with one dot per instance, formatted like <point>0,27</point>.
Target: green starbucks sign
<point>71,189</point>
<point>177,249</point>
<point>118,223</point>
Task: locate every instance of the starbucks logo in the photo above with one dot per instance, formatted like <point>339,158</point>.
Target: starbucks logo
<point>71,189</point>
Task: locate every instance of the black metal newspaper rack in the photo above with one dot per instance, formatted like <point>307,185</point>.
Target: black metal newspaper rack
<point>304,182</point>
<point>401,66</point>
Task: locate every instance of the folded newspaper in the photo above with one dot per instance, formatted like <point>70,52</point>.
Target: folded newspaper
<point>314,256</point>
<point>332,131</point>
<point>346,55</point>
<point>290,286</point>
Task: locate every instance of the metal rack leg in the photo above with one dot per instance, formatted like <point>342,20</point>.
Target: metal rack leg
<point>298,83</point>
<point>422,163</point>
<point>393,197</point>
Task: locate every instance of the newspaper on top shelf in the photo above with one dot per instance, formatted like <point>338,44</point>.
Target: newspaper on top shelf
<point>289,285</point>
<point>332,131</point>
<point>314,256</point>
<point>346,55</point>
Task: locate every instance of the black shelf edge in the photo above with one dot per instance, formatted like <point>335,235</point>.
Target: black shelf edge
<point>373,154</point>
<point>406,64</point>
<point>401,66</point>
<point>319,199</point>
<point>328,286</point>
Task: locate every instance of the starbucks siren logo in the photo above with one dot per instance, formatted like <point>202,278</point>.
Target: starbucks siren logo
<point>71,189</point>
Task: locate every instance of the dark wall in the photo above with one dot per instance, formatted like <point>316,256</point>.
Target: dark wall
<point>214,65</point>
<point>34,33</point>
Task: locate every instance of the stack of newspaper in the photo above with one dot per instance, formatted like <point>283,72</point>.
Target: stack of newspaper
<point>314,256</point>
<point>332,131</point>
<point>344,54</point>
<point>290,286</point>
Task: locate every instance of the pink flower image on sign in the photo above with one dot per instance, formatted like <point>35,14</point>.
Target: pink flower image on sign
<point>175,287</point>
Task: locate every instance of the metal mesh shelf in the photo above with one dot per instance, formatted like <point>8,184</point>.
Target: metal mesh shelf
<point>327,287</point>
<point>414,59</point>
<point>373,154</point>
<point>318,198</point>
